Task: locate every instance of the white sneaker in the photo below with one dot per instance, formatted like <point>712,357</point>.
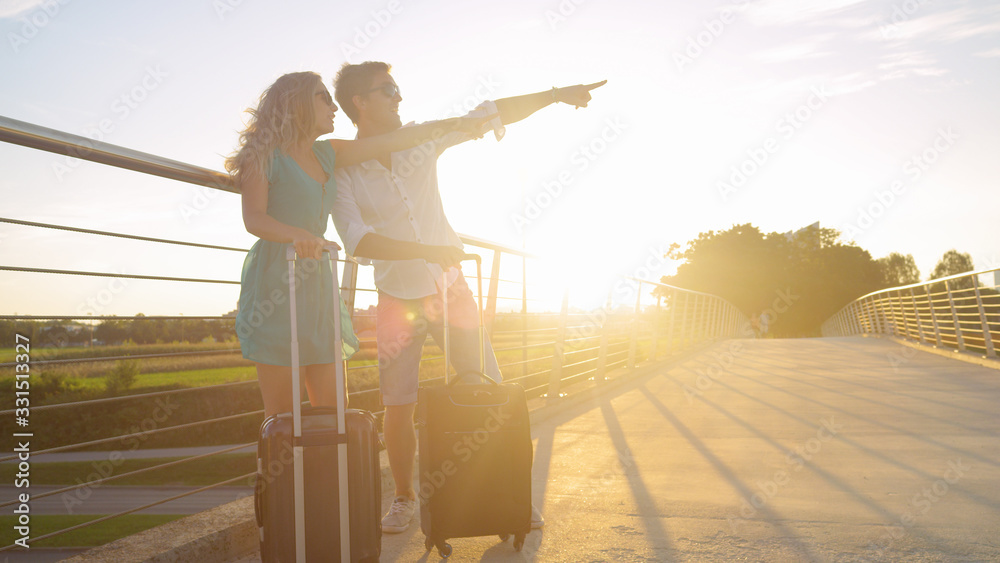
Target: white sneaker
<point>536,518</point>
<point>400,513</point>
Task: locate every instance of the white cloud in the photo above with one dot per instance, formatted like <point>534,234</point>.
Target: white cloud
<point>14,8</point>
<point>808,49</point>
<point>778,12</point>
<point>941,27</point>
<point>992,53</point>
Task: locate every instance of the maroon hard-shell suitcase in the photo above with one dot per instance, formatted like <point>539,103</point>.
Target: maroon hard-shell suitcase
<point>319,488</point>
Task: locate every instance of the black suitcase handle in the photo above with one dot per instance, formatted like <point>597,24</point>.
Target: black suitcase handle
<point>480,374</point>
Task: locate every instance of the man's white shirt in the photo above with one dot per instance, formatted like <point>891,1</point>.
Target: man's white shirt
<point>403,204</point>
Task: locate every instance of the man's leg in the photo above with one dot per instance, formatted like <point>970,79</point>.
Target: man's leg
<point>400,333</point>
<point>463,336</point>
<point>401,446</point>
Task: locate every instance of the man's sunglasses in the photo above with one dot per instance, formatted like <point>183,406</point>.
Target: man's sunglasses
<point>389,89</point>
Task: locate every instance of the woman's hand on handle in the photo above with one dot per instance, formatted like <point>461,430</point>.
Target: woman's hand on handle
<point>308,245</point>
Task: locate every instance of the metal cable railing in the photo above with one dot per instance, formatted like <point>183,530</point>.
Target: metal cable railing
<point>960,312</point>
<point>544,350</point>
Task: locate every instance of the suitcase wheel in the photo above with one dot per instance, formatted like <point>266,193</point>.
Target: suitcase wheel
<point>518,542</point>
<point>443,547</point>
<point>444,550</point>
<point>504,537</point>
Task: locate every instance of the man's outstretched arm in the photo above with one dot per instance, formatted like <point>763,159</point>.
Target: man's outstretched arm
<point>516,108</point>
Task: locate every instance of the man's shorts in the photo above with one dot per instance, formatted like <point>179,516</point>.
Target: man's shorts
<point>401,329</point>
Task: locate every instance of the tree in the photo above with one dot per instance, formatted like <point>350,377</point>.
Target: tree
<point>951,263</point>
<point>798,280</point>
<point>899,269</point>
<point>111,332</point>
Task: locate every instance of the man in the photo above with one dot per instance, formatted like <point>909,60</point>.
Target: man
<point>389,210</point>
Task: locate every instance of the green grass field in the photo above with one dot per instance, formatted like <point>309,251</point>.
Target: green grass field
<point>197,473</point>
<point>97,534</point>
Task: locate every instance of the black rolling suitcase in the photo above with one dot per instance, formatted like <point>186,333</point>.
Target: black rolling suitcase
<point>475,455</point>
<point>319,488</point>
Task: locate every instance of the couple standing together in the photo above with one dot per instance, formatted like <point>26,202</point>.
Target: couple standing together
<point>382,191</point>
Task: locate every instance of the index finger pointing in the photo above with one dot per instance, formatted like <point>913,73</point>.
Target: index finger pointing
<point>596,85</point>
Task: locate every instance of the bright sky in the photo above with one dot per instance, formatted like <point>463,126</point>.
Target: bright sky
<point>877,118</point>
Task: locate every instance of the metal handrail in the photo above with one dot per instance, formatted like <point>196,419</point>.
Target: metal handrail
<point>51,140</point>
<point>959,318</point>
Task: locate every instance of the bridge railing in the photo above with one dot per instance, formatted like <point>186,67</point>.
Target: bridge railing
<point>544,346</point>
<point>960,312</point>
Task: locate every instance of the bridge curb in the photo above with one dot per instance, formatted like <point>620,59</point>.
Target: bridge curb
<point>968,357</point>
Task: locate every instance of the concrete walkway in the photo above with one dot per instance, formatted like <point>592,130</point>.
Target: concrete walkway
<point>769,450</point>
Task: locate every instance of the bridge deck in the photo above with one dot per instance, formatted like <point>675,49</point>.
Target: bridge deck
<point>770,450</point>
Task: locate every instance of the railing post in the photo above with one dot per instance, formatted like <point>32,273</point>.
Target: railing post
<point>699,312</point>
<point>491,299</point>
<point>902,311</point>
<point>717,318</point>
<point>524,315</point>
<point>602,353</point>
<point>656,329</point>
<point>987,337</point>
<point>930,304</point>
<point>954,317</point>
<point>350,285</point>
<point>685,326</point>
<point>916,313</point>
<point>673,320</point>
<point>892,315</point>
<point>634,341</point>
<point>880,320</point>
<point>558,357</point>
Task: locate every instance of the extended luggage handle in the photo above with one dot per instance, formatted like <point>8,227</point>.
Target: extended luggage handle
<point>331,249</point>
<point>479,318</point>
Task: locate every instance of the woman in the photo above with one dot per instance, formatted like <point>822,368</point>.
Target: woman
<point>286,179</point>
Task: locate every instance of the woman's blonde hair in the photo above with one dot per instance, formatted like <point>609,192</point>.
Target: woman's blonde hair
<point>283,116</point>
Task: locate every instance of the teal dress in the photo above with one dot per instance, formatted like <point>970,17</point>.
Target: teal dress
<point>263,323</point>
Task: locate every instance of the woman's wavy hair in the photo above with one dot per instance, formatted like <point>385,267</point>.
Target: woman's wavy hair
<point>283,116</point>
